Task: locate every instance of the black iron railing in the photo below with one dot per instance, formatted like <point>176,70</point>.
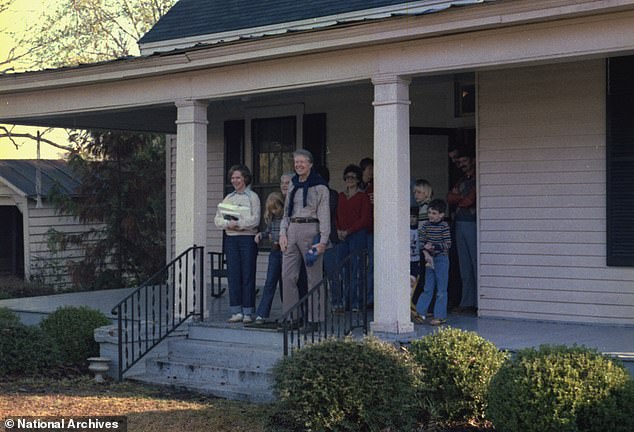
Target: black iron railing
<point>316,316</point>
<point>157,307</point>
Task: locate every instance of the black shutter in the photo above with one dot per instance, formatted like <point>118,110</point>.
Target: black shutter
<point>234,147</point>
<point>314,137</point>
<point>620,161</point>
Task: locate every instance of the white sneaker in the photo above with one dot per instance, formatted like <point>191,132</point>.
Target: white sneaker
<point>247,319</point>
<point>236,317</point>
<point>259,320</point>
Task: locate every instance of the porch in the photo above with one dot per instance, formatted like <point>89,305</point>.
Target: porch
<point>506,334</point>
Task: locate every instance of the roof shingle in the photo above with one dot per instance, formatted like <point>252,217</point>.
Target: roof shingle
<point>189,18</point>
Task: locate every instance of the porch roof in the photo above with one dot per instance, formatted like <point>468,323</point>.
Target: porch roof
<point>224,21</point>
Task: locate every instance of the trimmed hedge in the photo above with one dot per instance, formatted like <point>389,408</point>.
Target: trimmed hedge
<point>614,413</point>
<point>26,350</point>
<point>72,329</point>
<point>457,368</point>
<point>345,385</point>
<point>557,389</point>
<point>8,318</point>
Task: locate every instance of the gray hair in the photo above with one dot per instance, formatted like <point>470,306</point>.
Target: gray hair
<point>303,152</point>
<point>289,174</point>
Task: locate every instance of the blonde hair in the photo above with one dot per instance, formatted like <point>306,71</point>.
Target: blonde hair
<point>424,186</point>
<point>274,206</point>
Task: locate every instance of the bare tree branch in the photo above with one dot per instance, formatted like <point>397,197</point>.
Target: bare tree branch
<point>9,134</point>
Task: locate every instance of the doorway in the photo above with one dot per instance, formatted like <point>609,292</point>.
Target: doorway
<point>11,242</point>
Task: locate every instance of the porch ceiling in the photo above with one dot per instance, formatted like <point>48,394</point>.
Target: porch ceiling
<point>157,119</point>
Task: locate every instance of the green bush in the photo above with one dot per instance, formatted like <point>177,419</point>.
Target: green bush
<point>457,367</point>
<point>72,328</point>
<point>8,318</point>
<point>614,413</point>
<point>550,389</point>
<point>345,385</point>
<point>25,350</point>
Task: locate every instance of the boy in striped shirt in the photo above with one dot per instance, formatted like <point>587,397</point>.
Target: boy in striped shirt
<point>435,238</point>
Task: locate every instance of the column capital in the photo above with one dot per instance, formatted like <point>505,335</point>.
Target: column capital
<point>391,90</point>
<point>391,79</point>
<point>181,103</point>
<point>191,111</point>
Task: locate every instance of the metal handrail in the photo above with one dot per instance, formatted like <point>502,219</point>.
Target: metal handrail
<point>158,306</point>
<point>313,318</point>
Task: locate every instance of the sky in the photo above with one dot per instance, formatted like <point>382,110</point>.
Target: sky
<point>15,20</point>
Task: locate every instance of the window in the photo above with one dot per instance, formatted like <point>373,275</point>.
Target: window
<point>620,161</point>
<point>464,96</point>
<point>273,146</point>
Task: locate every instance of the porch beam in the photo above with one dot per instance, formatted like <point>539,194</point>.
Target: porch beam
<point>391,207</point>
<point>191,174</point>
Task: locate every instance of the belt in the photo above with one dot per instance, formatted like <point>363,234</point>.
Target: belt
<point>275,247</point>
<point>304,220</point>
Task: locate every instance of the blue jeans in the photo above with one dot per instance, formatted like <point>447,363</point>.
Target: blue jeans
<point>241,252</point>
<point>435,278</point>
<point>466,239</point>
<point>273,276</point>
<point>354,242</point>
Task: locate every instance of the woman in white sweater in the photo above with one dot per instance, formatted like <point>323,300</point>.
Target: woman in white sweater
<point>239,216</point>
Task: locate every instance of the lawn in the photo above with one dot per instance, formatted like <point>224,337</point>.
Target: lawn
<point>147,408</point>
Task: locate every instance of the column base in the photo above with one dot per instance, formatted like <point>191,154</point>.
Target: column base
<point>393,332</point>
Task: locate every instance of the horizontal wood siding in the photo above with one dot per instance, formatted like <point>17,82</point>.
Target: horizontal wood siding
<point>541,176</point>
<point>49,265</point>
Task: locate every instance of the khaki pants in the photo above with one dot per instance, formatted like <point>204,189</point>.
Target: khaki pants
<point>300,239</point>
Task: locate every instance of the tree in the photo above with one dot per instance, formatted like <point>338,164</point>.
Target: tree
<point>122,191</point>
<point>73,32</point>
<point>85,31</point>
<point>122,174</point>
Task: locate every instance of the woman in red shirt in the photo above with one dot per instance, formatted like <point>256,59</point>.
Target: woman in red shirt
<point>354,219</point>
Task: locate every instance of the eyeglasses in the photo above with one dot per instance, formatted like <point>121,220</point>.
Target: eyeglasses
<point>350,177</point>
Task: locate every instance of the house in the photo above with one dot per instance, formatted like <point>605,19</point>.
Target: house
<point>250,81</point>
<point>27,218</point>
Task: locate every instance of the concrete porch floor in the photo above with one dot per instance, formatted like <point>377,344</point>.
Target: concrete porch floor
<point>507,334</point>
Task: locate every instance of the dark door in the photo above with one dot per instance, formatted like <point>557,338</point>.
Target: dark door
<point>11,241</point>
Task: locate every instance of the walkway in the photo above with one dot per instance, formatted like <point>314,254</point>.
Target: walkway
<point>507,334</point>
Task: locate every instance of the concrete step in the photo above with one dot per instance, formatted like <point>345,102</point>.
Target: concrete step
<point>236,355</point>
<point>226,391</point>
<point>210,373</point>
<point>237,333</point>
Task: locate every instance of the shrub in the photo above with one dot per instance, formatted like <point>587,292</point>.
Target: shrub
<point>545,390</point>
<point>25,350</point>
<point>345,385</point>
<point>72,328</point>
<point>614,413</point>
<point>8,318</point>
<point>457,367</point>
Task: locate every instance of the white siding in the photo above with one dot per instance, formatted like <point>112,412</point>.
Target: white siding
<point>170,196</point>
<point>46,265</point>
<point>541,176</point>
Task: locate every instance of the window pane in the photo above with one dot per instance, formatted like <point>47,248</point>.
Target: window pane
<point>273,146</point>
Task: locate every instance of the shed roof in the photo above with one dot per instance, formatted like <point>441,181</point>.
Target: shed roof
<point>21,174</point>
<point>191,18</point>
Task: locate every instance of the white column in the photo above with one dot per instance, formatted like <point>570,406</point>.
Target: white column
<point>191,175</point>
<point>391,207</point>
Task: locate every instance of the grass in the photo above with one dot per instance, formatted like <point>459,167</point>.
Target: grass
<point>147,408</point>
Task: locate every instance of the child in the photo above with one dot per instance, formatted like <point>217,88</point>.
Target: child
<point>435,237</point>
<point>273,212</point>
<point>422,195</point>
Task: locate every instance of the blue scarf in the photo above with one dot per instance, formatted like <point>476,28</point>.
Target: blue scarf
<point>313,179</point>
